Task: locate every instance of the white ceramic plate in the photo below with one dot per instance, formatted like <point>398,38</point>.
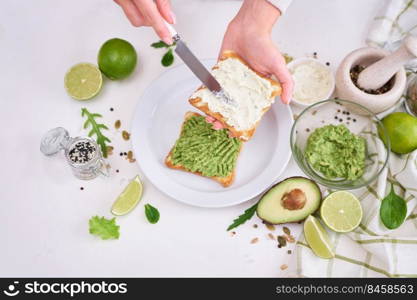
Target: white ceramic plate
<point>156,126</point>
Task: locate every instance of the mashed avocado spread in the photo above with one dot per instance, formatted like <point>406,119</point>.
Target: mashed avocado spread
<point>336,152</point>
<point>202,149</point>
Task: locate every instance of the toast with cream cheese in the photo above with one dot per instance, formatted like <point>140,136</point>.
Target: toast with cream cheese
<point>251,93</point>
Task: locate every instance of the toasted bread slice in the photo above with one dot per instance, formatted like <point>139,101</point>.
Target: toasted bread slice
<point>242,133</point>
<point>224,181</point>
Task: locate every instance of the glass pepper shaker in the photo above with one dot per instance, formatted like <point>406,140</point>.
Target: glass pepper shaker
<point>82,153</point>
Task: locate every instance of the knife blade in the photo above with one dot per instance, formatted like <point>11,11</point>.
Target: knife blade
<point>197,67</point>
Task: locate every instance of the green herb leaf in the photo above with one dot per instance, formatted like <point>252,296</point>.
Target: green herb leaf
<point>152,214</point>
<point>247,215</point>
<point>168,58</point>
<point>160,44</point>
<point>104,228</point>
<point>96,129</point>
<point>393,210</point>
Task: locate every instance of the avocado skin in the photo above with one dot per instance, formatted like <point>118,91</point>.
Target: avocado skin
<point>303,216</point>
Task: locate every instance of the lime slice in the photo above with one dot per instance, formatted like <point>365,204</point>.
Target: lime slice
<point>128,199</point>
<point>83,81</point>
<point>341,211</point>
<point>317,238</point>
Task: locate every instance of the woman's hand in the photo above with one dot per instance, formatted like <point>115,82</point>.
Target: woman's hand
<point>249,35</point>
<point>150,13</point>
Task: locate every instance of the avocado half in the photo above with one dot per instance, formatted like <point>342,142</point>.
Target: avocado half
<point>290,200</point>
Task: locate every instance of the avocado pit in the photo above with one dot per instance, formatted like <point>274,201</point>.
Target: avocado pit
<point>294,200</point>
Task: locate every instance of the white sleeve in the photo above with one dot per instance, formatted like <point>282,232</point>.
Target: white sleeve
<point>282,5</point>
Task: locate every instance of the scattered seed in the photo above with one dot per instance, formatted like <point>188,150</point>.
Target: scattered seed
<point>289,251</point>
<point>81,188</point>
<point>286,230</point>
<point>232,233</point>
<point>283,267</point>
<point>121,153</point>
<point>327,64</point>
<point>110,150</point>
<point>338,110</point>
<point>271,236</point>
<point>354,120</point>
<point>314,112</point>
<point>255,225</point>
<point>340,120</point>
<point>336,117</point>
<point>254,241</point>
<point>124,153</point>
<point>125,135</point>
<point>132,160</point>
<point>295,117</point>
<point>289,238</point>
<point>111,108</point>
<point>270,226</point>
<point>117,124</point>
<point>117,171</point>
<point>129,155</point>
<point>282,241</point>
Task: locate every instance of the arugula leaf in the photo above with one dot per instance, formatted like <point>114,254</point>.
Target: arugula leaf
<point>104,228</point>
<point>247,215</point>
<point>96,129</point>
<point>393,210</point>
<point>152,214</point>
<point>168,58</point>
<point>160,44</point>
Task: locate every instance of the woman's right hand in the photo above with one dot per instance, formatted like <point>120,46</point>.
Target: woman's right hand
<point>150,13</point>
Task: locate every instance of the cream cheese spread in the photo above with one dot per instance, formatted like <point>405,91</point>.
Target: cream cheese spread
<point>250,94</point>
<point>312,81</point>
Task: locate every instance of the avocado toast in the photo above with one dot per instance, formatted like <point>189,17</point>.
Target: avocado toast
<point>202,150</point>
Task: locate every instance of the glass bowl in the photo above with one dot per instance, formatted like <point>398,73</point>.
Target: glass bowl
<point>360,121</point>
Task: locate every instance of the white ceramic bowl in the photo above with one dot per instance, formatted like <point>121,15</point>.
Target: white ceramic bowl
<point>302,60</point>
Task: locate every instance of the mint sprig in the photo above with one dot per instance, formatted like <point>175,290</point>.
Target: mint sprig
<point>168,57</point>
<point>96,129</point>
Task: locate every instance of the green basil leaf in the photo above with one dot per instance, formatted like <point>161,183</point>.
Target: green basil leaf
<point>248,214</point>
<point>168,58</point>
<point>152,214</point>
<point>160,44</point>
<point>393,210</point>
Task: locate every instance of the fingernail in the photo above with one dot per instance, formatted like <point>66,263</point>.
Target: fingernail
<point>167,40</point>
<point>173,17</point>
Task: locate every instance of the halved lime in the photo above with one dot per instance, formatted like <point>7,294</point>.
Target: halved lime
<point>129,198</point>
<point>341,211</point>
<point>318,238</point>
<point>83,81</point>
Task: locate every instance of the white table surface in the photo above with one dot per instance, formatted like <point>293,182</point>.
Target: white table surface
<point>44,213</point>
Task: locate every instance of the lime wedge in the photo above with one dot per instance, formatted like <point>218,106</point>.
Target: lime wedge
<point>83,81</point>
<point>341,211</point>
<point>317,238</point>
<point>128,199</point>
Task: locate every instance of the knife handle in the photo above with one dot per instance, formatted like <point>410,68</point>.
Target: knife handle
<point>172,31</point>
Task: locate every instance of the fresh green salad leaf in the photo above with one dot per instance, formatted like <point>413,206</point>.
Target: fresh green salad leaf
<point>160,44</point>
<point>247,215</point>
<point>96,129</point>
<point>104,228</point>
<point>152,214</point>
<point>393,210</point>
<point>168,57</point>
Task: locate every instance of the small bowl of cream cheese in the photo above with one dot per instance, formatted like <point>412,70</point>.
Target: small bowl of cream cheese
<point>313,81</point>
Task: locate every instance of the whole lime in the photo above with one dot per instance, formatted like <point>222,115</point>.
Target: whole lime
<point>117,59</point>
<point>402,132</point>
